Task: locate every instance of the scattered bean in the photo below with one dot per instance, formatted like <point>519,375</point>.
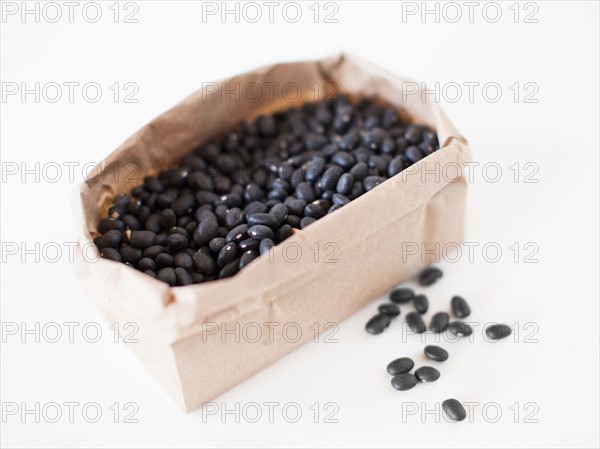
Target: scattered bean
<point>404,381</point>
<point>436,353</point>
<point>454,410</point>
<point>429,276</point>
<point>399,366</point>
<point>427,374</point>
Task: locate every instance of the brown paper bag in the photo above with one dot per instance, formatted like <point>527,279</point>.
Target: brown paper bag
<point>199,341</point>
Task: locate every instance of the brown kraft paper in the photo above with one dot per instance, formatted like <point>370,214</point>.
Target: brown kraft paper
<point>270,307</point>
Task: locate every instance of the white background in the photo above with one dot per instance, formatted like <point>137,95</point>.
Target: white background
<point>168,54</point>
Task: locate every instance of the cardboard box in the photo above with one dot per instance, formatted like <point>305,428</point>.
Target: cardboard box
<point>270,307</point>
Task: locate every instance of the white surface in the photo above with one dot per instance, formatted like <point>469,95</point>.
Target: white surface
<point>168,54</point>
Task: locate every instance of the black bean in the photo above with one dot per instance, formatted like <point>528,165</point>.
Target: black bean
<point>329,180</point>
<point>378,164</point>
<point>306,221</point>
<point>147,264</point>
<point>201,181</point>
<point>295,205</point>
<point>167,275</point>
<point>454,410</point>
<point>415,322</point>
<point>391,310</point>
<point>253,192</point>
<point>399,366</point>
<point>294,221</point>
<point>247,244</point>
<point>345,183</point>
<point>396,165</point>
<point>265,219</point>
<point>227,254</point>
<point>283,233</point>
<point>230,269</point>
<point>266,125</point>
<point>370,182</point>
<point>184,204</point>
<point>404,381</point>
<point>109,224</point>
<point>357,190</point>
<point>333,208</point>
<point>150,273</point>
<point>340,200</point>
<point>142,239</point>
<point>429,276</point>
<point>207,230</point>
<point>277,194</point>
<point>378,324</point>
<point>206,197</point>
<point>305,192</point>
<point>260,232</point>
<point>413,154</point>
<point>314,169</point>
<point>439,322</point>
<point>459,328</point>
<point>164,260</point>
<point>359,171</point>
<point>247,257</point>
<point>413,134</point>
<point>204,263</point>
<point>230,200</point>
<point>154,251</point>
<point>349,140</point>
<point>402,295</point>
<point>255,206</point>
<point>388,145</point>
<point>153,223</point>
<point>168,219</point>
<point>266,245</point>
<point>235,217</point>
<point>279,211</point>
<point>374,138</point>
<point>314,211</point>
<point>421,303</point>
<point>117,210</point>
<point>110,254</point>
<point>427,374</point>
<point>217,244</point>
<point>111,239</point>
<point>178,230</point>
<point>343,159</point>
<point>144,214</point>
<point>183,260</point>
<point>197,277</point>
<point>460,307</point>
<point>182,276</point>
<point>152,184</point>
<point>130,254</point>
<point>498,331</point>
<point>436,353</point>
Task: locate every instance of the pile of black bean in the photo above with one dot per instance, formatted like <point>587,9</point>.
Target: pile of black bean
<point>440,322</point>
<point>240,194</point>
